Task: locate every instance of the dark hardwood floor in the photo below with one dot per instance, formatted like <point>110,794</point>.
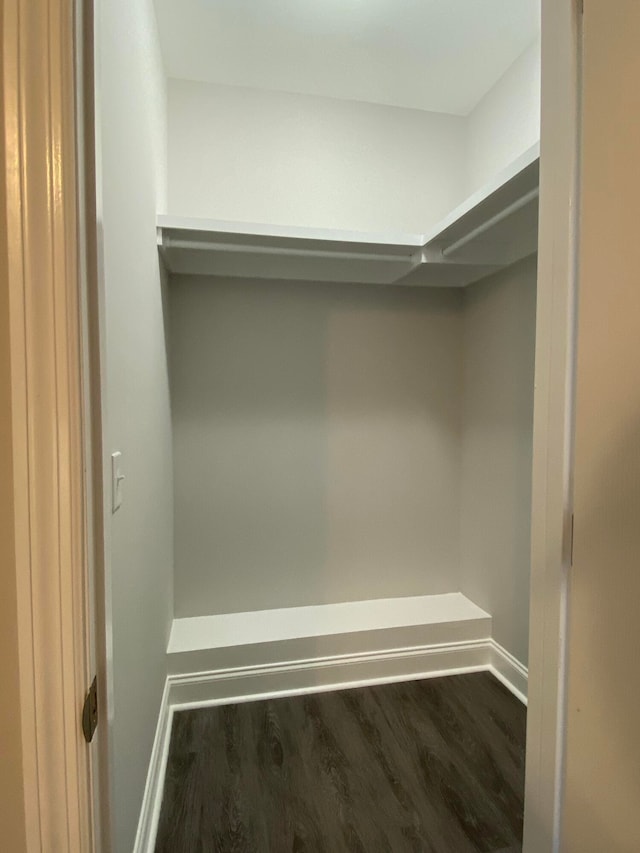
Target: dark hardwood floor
<point>434,766</point>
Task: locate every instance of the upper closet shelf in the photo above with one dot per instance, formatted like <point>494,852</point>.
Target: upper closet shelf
<point>492,229</point>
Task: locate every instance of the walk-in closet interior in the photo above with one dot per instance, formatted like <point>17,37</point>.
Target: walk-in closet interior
<point>318,236</point>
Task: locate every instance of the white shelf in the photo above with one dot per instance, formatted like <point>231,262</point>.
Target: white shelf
<point>266,637</point>
<point>268,626</point>
<point>492,229</point>
<point>211,247</point>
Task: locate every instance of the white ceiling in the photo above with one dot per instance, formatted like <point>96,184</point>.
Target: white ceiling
<point>440,55</point>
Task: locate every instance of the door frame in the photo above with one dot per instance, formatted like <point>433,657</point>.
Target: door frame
<point>54,305</point>
<point>46,407</point>
<point>552,474</point>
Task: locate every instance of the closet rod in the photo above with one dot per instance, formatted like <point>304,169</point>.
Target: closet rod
<point>278,251</point>
<point>486,226</point>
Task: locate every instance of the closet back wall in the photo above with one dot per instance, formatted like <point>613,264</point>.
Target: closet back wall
<point>258,156</point>
<point>316,442</point>
<point>288,159</point>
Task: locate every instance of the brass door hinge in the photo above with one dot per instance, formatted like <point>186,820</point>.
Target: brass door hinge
<point>90,712</point>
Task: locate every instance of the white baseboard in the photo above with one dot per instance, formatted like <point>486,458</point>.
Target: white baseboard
<point>509,671</point>
<point>291,678</point>
<point>152,798</point>
<point>226,686</point>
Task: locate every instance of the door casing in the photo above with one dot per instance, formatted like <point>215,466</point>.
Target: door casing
<point>46,406</point>
<point>551,520</point>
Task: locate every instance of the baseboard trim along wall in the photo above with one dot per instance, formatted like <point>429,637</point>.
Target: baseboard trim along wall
<point>152,797</point>
<point>340,672</point>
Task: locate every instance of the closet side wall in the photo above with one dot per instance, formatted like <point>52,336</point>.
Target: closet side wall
<point>273,157</point>
<point>316,442</point>
<point>131,117</point>
<point>506,122</point>
<point>499,348</point>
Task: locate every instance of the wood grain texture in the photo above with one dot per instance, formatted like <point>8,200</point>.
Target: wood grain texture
<point>44,464</point>
<point>601,785</point>
<point>435,766</point>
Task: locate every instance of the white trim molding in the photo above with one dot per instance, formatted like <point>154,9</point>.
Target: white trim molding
<point>551,508</point>
<point>508,669</point>
<point>294,678</point>
<point>152,798</point>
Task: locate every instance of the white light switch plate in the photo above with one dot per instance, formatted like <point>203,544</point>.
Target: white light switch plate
<point>117,478</point>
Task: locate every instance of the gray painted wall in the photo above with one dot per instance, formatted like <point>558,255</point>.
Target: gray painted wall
<point>506,122</point>
<point>257,156</point>
<point>130,106</point>
<point>334,443</point>
<point>499,345</point>
<point>316,442</point>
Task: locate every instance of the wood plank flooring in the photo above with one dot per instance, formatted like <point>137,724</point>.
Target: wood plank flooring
<point>435,766</point>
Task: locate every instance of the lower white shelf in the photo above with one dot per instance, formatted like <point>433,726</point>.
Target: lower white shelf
<point>305,633</point>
